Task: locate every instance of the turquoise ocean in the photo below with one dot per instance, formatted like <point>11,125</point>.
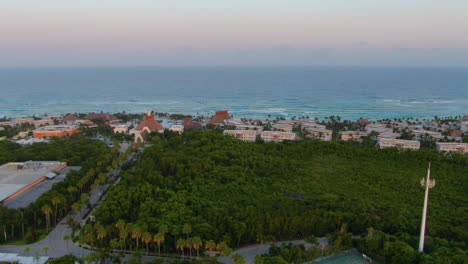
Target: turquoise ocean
<point>253,92</point>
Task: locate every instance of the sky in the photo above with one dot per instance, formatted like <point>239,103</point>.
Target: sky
<point>233,32</point>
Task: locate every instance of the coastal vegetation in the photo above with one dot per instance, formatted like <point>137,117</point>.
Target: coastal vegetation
<point>202,191</point>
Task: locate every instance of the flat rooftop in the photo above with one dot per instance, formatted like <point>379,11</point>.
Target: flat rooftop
<point>15,176</point>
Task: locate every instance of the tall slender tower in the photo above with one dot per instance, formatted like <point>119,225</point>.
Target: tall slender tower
<point>428,183</point>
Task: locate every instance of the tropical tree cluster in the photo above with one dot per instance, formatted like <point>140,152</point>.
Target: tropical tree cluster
<point>232,192</point>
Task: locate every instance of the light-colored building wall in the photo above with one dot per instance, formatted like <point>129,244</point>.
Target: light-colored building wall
<point>177,128</point>
<point>244,135</point>
<point>320,133</point>
<point>352,135</point>
<point>389,135</point>
<point>399,143</point>
<point>249,127</point>
<point>283,127</point>
<point>454,147</point>
<point>419,133</point>
<point>277,136</point>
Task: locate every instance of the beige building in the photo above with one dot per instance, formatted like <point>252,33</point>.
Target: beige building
<point>352,135</point>
<point>177,128</point>
<point>399,143</point>
<point>249,127</point>
<point>419,133</point>
<point>313,125</point>
<point>320,133</point>
<point>244,135</point>
<point>120,128</point>
<point>283,127</point>
<point>277,136</point>
<point>464,126</point>
<point>389,135</point>
<point>456,147</point>
<point>43,122</point>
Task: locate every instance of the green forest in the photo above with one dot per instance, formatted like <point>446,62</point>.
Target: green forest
<point>205,191</point>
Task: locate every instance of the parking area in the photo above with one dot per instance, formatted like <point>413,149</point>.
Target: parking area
<point>25,199</point>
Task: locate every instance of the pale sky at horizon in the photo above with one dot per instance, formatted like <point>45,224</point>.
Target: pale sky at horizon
<point>222,32</point>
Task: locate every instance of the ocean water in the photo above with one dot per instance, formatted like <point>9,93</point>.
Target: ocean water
<point>253,92</point>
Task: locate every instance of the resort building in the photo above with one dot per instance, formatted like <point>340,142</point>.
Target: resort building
<point>220,117</point>
<point>244,135</point>
<point>120,128</point>
<point>17,178</point>
<point>283,127</point>
<point>455,147</point>
<point>43,122</point>
<point>70,119</point>
<point>177,128</point>
<point>20,121</point>
<point>352,135</point>
<point>101,116</point>
<point>320,133</point>
<point>464,126</point>
<point>250,127</point>
<point>276,136</point>
<point>399,143</point>
<point>420,133</point>
<point>148,125</point>
<point>190,125</point>
<point>388,135</point>
<point>379,128</point>
<point>55,131</point>
<point>286,122</point>
<point>312,125</point>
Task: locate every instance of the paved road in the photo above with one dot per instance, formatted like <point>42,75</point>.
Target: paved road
<point>250,252</point>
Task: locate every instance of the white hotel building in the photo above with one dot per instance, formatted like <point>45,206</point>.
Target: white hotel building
<point>399,143</point>
<point>244,135</point>
<point>456,147</point>
<point>276,136</point>
<point>320,133</point>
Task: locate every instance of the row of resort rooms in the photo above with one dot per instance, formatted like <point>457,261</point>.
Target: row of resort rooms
<point>326,135</point>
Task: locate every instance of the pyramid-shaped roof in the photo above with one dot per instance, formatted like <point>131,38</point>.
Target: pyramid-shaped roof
<point>219,117</point>
<point>70,117</point>
<point>151,123</point>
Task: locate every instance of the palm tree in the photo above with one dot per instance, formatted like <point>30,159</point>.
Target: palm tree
<point>46,210</point>
<point>159,238</point>
<point>210,245</point>
<point>181,245</point>
<point>147,238</point>
<point>56,200</point>
<point>123,234</point>
<point>197,243</point>
<point>101,232</point>
<point>137,232</point>
<point>189,245</point>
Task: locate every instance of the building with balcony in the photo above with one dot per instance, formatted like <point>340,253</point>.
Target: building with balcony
<point>283,127</point>
<point>277,136</point>
<point>399,143</point>
<point>452,147</point>
<point>244,135</point>
<point>320,133</point>
<point>352,135</point>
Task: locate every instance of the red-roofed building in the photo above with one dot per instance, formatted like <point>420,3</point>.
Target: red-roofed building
<point>70,118</point>
<point>190,125</point>
<point>149,124</point>
<point>219,117</point>
<point>101,116</point>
